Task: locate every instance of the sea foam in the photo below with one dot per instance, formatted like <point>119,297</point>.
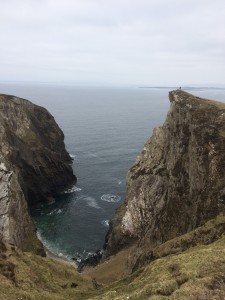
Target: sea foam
<point>55,212</point>
<point>110,198</point>
<point>105,223</point>
<point>91,202</point>
<point>72,190</point>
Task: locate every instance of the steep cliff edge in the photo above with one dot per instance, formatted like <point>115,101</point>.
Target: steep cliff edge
<point>34,165</point>
<point>178,181</point>
<point>188,266</point>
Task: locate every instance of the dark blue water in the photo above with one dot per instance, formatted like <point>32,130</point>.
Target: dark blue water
<point>105,129</point>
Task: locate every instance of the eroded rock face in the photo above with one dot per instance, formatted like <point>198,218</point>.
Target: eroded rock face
<point>178,181</point>
<point>34,165</point>
<point>16,226</point>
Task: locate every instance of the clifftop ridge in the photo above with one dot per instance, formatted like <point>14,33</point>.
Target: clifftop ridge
<point>180,96</point>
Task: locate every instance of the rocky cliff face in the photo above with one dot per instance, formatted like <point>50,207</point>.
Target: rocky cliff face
<point>34,165</point>
<point>178,181</point>
<point>176,184</point>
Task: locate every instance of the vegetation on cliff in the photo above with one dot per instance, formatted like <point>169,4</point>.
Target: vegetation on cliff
<point>178,181</point>
<point>26,276</point>
<point>170,249</point>
<point>188,267</point>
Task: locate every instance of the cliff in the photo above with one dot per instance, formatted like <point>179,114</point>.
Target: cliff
<point>178,181</point>
<point>175,185</point>
<point>34,165</point>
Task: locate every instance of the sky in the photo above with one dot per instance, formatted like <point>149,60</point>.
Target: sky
<point>113,42</point>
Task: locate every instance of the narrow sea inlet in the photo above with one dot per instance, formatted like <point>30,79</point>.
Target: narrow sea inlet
<point>105,129</point>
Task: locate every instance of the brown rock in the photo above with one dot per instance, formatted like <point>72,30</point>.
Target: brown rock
<point>178,181</point>
<point>34,165</point>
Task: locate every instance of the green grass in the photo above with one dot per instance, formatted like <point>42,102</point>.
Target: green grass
<point>198,273</point>
<point>29,276</point>
<point>188,267</point>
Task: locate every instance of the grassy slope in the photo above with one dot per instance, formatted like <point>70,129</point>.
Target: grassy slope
<point>188,267</point>
<point>28,276</point>
<point>195,271</point>
<point>112,269</point>
<point>198,273</point>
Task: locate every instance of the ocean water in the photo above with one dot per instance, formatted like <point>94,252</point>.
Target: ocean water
<point>105,129</point>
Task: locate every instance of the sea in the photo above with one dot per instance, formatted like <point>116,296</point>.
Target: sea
<point>105,129</point>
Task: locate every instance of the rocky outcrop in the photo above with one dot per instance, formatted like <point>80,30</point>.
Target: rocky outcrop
<point>34,166</point>
<point>16,226</point>
<point>178,181</point>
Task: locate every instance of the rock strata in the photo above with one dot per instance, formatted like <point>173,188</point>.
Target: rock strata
<point>34,165</point>
<point>178,181</point>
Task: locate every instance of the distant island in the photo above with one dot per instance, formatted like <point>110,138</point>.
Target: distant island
<point>183,87</point>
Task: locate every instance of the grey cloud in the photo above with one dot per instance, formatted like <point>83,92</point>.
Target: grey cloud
<point>135,41</point>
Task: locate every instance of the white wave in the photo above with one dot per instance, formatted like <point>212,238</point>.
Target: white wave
<point>105,223</point>
<point>55,212</point>
<point>119,182</point>
<point>72,155</point>
<point>48,244</point>
<point>54,249</point>
<point>72,190</point>
<point>91,202</point>
<point>110,198</point>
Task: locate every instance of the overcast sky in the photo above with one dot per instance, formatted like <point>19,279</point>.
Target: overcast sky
<point>138,42</point>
